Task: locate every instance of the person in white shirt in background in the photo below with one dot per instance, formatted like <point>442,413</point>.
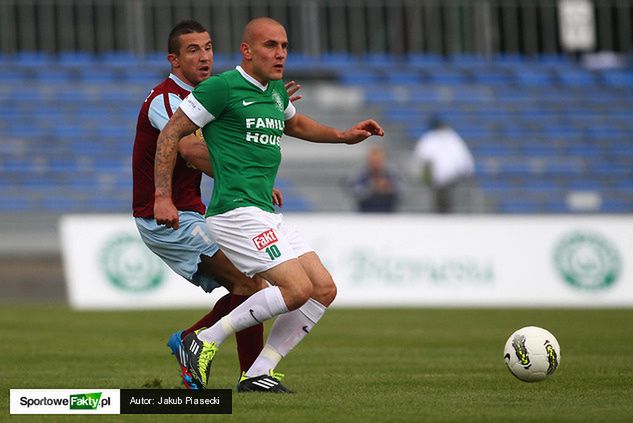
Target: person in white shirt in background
<point>445,161</point>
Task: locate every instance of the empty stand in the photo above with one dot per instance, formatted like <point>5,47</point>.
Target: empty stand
<point>541,129</point>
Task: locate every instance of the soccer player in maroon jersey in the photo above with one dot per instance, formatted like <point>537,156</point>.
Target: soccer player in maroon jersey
<point>191,251</point>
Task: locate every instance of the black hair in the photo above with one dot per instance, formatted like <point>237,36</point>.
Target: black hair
<point>436,122</point>
<point>183,27</point>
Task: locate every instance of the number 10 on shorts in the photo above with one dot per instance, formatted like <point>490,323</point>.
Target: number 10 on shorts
<point>266,241</point>
<point>273,252</point>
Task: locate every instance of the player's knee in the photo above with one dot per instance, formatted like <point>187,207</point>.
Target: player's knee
<point>298,294</point>
<point>325,293</point>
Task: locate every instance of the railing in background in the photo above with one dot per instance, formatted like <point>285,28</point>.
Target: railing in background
<point>395,27</point>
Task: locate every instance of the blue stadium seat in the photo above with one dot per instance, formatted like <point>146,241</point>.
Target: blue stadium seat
<point>382,95</point>
<point>99,75</point>
<point>294,63</point>
<point>576,77</point>
<point>448,76</point>
<point>33,59</point>
<point>491,76</point>
<point>468,60</point>
<point>556,60</point>
<point>407,77</point>
<point>381,61</point>
<point>117,59</point>
<point>77,59</point>
<point>617,78</point>
<point>56,75</point>
<point>533,77</point>
<point>510,61</point>
<point>518,206</point>
<point>424,60</point>
<point>617,206</point>
<point>13,76</point>
<point>359,77</point>
<point>338,61</point>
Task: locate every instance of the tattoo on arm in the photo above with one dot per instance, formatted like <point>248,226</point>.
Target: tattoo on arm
<point>166,151</point>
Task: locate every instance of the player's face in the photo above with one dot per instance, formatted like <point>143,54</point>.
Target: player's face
<point>269,51</point>
<point>194,61</point>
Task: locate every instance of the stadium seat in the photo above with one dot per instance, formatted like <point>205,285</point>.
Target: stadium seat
<point>576,77</point>
<point>491,76</point>
<point>408,78</point>
<point>381,61</point>
<point>33,59</point>
<point>424,60</point>
<point>338,61</point>
<point>359,77</point>
<point>117,59</point>
<point>617,78</point>
<point>448,76</point>
<point>533,77</point>
<point>76,59</point>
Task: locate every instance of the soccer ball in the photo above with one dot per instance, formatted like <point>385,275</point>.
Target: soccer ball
<point>532,354</point>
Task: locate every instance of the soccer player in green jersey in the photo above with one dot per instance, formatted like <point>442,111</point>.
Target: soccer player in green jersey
<point>243,114</point>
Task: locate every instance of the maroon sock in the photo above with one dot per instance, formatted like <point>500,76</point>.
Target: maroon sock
<point>219,310</point>
<point>250,341</point>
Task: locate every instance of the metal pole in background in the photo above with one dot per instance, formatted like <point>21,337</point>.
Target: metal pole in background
<point>135,27</point>
<point>310,28</point>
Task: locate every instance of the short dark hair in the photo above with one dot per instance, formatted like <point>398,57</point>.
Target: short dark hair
<point>436,122</point>
<point>183,27</point>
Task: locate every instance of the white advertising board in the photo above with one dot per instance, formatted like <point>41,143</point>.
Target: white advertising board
<point>106,265</point>
<point>388,260</point>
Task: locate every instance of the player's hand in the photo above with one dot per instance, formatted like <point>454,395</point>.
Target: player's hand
<point>278,198</point>
<point>292,87</point>
<point>165,212</point>
<point>362,130</point>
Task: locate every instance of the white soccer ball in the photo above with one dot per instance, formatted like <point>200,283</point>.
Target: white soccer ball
<point>532,354</point>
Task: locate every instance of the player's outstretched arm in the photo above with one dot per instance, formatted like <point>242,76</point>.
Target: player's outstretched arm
<point>178,126</point>
<point>305,128</point>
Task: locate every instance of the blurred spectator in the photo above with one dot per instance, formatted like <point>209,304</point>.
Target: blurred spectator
<point>377,187</point>
<point>445,161</point>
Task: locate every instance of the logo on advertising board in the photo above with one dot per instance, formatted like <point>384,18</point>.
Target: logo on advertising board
<point>391,268</point>
<point>587,260</point>
<point>129,265</point>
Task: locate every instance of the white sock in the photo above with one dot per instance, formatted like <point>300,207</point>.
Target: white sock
<point>287,331</point>
<point>257,308</point>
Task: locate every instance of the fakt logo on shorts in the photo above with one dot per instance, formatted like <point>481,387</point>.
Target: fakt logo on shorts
<point>265,241</point>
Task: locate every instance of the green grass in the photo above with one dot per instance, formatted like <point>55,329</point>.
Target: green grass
<point>373,365</point>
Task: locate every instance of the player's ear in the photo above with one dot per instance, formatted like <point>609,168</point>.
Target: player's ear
<point>246,51</point>
<point>173,59</point>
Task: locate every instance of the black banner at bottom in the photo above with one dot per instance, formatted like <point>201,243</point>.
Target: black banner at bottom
<point>176,401</point>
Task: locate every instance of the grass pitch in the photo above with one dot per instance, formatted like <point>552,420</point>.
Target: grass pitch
<point>371,365</point>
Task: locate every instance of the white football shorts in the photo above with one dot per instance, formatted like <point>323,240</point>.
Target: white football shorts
<point>256,240</point>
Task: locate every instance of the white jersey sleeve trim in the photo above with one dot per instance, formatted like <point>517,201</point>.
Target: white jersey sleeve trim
<point>196,111</point>
<point>290,111</point>
<point>157,114</point>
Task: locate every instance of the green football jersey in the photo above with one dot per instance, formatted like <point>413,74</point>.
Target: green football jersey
<point>243,138</point>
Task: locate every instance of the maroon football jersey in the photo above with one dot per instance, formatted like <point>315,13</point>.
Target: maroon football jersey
<point>186,180</point>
